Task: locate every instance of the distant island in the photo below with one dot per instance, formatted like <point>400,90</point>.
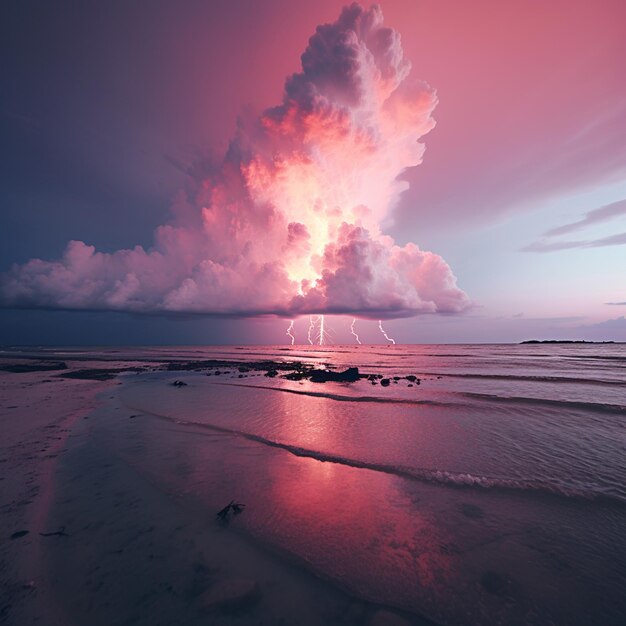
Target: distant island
<point>562,341</point>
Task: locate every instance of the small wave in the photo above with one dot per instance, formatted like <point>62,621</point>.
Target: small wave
<point>570,404</point>
<point>461,480</point>
<point>541,379</point>
<point>342,398</point>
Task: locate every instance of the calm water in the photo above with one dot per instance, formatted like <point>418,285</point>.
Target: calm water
<point>494,492</point>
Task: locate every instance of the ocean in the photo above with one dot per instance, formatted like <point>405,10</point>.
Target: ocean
<point>489,489</point>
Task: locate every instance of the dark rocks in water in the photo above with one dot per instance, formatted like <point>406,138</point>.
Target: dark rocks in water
<point>271,373</point>
<point>396,378</point>
<point>217,372</point>
<point>299,375</point>
<point>350,375</point>
<point>410,385</point>
<point>385,382</point>
<point>411,378</point>
<point>179,383</point>
<point>99,374</point>
<point>19,533</point>
<point>244,369</point>
<point>39,366</point>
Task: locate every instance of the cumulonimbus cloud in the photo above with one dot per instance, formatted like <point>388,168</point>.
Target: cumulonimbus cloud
<point>290,221</point>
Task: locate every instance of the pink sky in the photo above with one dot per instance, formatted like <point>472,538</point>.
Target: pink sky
<point>530,136</point>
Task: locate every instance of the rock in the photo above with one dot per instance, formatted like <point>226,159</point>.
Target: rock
<point>387,618</point>
<point>19,533</point>
<point>232,594</point>
<point>411,378</point>
<point>350,375</point>
<point>179,383</point>
<point>385,382</point>
<point>271,373</point>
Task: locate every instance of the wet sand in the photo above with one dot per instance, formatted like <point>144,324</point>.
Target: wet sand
<point>89,537</point>
<point>37,413</point>
<point>117,474</point>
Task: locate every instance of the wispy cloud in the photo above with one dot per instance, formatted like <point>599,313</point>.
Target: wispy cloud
<point>616,303</point>
<point>544,245</point>
<point>600,214</point>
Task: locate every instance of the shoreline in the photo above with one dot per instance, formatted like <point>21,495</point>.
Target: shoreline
<point>33,439</point>
<point>128,502</point>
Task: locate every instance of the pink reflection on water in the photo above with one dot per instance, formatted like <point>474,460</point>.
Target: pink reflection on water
<point>356,526</point>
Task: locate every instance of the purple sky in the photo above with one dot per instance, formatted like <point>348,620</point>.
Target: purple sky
<point>521,190</point>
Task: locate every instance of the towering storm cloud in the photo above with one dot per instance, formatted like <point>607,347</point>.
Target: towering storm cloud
<point>290,221</point>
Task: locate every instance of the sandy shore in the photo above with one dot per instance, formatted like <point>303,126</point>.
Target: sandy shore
<point>37,412</point>
<point>89,538</point>
<point>114,463</point>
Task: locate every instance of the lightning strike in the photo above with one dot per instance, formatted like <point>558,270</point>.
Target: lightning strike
<point>387,337</point>
<point>354,332</point>
<point>312,321</point>
<point>290,334</point>
<point>322,331</point>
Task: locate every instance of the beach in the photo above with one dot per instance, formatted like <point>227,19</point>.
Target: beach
<point>444,485</point>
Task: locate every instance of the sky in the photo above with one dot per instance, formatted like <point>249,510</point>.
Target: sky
<point>121,119</point>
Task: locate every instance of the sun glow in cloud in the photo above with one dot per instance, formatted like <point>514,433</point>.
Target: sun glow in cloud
<point>289,223</point>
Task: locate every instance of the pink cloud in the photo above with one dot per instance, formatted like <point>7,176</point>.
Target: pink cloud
<point>290,222</point>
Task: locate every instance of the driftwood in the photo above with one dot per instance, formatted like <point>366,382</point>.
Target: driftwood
<point>59,533</point>
<point>237,508</point>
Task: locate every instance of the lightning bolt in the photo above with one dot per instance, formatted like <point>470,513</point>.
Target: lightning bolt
<point>290,334</point>
<point>354,332</point>
<point>312,321</point>
<point>382,330</point>
<point>322,331</point>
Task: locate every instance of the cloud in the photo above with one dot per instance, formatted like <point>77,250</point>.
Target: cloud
<point>551,246</point>
<point>611,329</point>
<point>600,214</point>
<point>616,303</point>
<point>289,221</point>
